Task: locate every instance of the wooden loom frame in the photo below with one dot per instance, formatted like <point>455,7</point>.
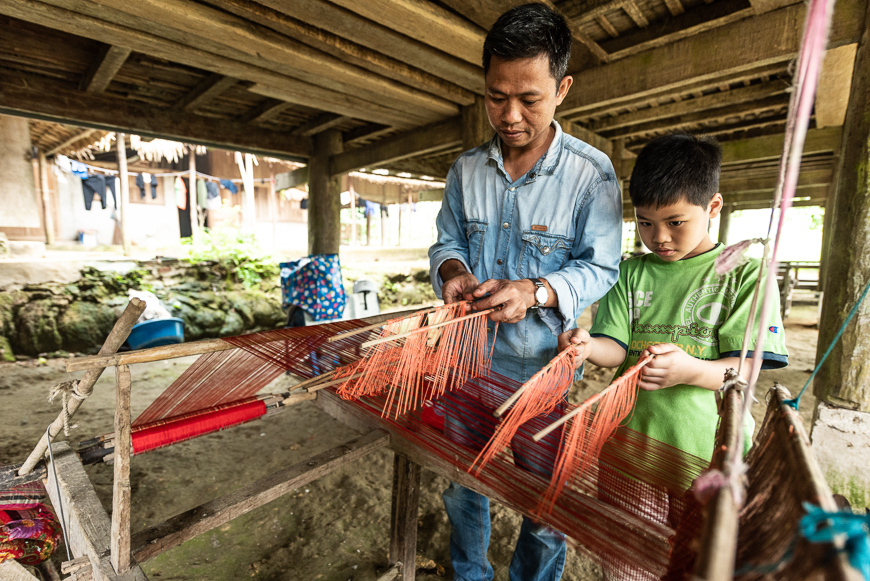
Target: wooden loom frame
<point>105,549</point>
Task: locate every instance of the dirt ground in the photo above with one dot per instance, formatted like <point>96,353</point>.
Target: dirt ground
<point>337,528</point>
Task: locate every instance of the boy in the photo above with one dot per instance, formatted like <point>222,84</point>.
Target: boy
<point>673,304</point>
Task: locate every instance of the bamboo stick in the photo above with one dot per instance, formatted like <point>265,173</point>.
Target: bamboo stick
<point>313,380</point>
<point>380,340</point>
<point>516,395</point>
<point>116,338</point>
<point>543,433</point>
<point>320,386</point>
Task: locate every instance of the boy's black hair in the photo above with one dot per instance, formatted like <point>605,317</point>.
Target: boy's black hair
<point>528,31</point>
<point>674,168</point>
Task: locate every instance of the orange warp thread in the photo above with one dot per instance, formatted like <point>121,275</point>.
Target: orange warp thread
<point>540,395</point>
<point>590,429</point>
<point>421,363</point>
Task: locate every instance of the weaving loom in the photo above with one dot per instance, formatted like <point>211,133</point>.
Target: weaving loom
<point>230,373</point>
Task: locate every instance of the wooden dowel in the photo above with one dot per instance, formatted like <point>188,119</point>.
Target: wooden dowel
<point>168,351</point>
<point>320,386</point>
<point>116,338</point>
<point>516,395</point>
<point>313,380</point>
<point>145,355</point>
<point>120,543</point>
<point>380,340</point>
<point>543,433</point>
<point>372,327</point>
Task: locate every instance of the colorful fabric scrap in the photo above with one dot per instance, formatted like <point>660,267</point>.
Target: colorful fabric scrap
<point>30,536</point>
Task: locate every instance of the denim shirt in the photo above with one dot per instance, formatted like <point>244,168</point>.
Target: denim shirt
<point>561,221</point>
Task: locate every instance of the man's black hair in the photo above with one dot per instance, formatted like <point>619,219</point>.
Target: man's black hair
<point>528,31</point>
<point>676,168</point>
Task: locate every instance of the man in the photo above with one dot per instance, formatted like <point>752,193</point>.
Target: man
<point>537,216</point>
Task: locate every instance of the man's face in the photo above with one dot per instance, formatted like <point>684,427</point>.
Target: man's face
<point>677,231</point>
<point>521,98</point>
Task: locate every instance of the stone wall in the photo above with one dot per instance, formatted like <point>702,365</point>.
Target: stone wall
<point>76,317</point>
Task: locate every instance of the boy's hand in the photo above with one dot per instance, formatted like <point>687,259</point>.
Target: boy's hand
<point>578,339</point>
<point>671,366</point>
<point>459,288</point>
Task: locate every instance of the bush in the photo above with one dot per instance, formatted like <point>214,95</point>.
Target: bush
<point>238,256</point>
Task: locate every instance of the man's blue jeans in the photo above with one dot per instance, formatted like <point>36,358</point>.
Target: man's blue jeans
<point>540,551</point>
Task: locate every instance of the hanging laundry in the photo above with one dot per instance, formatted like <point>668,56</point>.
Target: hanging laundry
<point>63,162</point>
<point>230,186</point>
<point>212,190</point>
<point>201,194</point>
<point>95,184</point>
<point>180,194</point>
<point>371,208</point>
<point>303,204</point>
<point>111,185</point>
<point>144,179</point>
<point>79,169</point>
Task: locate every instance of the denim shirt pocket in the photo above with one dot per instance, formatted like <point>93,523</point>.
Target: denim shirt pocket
<point>541,254</point>
<point>474,232</point>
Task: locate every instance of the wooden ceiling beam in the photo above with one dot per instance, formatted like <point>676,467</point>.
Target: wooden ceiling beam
<point>679,108</point>
<point>700,58</point>
<point>320,123</point>
<point>267,110</point>
<point>675,7</point>
<point>104,69</point>
<point>809,196</point>
<point>598,142</point>
<point>232,37</point>
<point>409,144</point>
<point>347,51</point>
<point>425,21</point>
<point>710,117</point>
<point>292,179</point>
<point>769,147</point>
<point>279,85</point>
<point>67,142</point>
<point>635,13</point>
<point>210,87</point>
<point>696,21</point>
<point>370,131</point>
<point>51,100</point>
<point>811,178</point>
<point>355,28</point>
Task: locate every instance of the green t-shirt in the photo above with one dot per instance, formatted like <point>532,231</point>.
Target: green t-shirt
<point>685,303</point>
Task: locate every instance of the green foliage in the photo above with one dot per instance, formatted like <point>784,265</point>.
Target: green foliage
<point>237,255</point>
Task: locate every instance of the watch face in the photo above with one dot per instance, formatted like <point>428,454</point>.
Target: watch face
<point>541,295</point>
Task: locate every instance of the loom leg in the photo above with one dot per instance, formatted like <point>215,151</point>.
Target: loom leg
<point>88,525</point>
<point>403,515</point>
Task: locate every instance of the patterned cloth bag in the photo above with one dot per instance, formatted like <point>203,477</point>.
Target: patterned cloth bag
<point>314,283</point>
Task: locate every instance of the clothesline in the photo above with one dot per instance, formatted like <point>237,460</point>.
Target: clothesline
<point>166,174</point>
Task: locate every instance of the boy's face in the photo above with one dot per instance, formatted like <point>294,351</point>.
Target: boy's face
<point>521,98</point>
<point>677,231</point>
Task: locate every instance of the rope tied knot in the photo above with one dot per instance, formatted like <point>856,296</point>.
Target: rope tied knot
<point>67,390</point>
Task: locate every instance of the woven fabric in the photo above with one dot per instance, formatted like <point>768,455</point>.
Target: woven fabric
<point>30,536</point>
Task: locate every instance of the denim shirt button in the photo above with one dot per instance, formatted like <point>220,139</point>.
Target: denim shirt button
<point>505,225</point>
<point>532,176</point>
<point>546,249</point>
<point>499,261</point>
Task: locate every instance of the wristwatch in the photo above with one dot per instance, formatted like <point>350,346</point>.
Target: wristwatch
<point>541,294</point>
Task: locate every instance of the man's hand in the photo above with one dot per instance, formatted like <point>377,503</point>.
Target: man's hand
<point>459,288</point>
<point>671,366</point>
<point>577,339</point>
<point>515,296</point>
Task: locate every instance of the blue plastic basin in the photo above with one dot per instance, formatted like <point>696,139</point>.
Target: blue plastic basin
<point>155,333</point>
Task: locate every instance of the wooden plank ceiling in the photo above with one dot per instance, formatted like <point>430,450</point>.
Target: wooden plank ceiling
<point>392,75</point>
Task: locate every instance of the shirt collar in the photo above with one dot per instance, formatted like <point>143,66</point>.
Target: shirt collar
<point>548,162</point>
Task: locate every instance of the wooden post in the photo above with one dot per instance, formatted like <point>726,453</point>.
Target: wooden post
<point>47,218</point>
<point>116,338</point>
<point>324,198</point>
<point>844,380</point>
<point>352,214</point>
<point>719,535</point>
<point>273,202</point>
<point>120,549</point>
<point>403,515</point>
<point>399,212</point>
<point>194,208</point>
<point>827,227</point>
<point>476,129</point>
<point>384,220</point>
<point>368,229</point>
<point>123,191</point>
<point>724,223</point>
